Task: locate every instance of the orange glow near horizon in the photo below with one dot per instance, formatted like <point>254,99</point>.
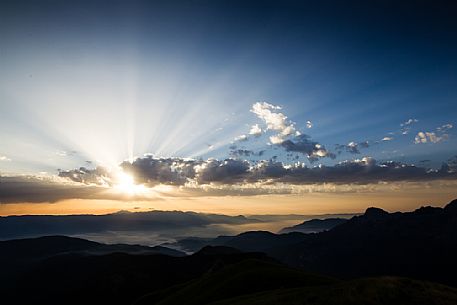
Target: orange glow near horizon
<point>308,204</point>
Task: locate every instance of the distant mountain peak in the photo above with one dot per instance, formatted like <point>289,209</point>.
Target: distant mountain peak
<point>374,213</point>
<point>428,210</point>
<point>451,206</point>
<point>217,250</point>
<point>314,225</point>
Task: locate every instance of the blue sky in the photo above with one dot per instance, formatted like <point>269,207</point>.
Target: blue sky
<point>105,81</point>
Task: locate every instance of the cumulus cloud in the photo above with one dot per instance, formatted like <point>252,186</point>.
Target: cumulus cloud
<point>303,144</point>
<point>429,137</point>
<point>440,135</point>
<point>99,175</point>
<point>352,147</point>
<point>255,130</point>
<point>152,171</point>
<point>219,171</point>
<point>274,120</point>
<point>4,158</point>
<point>309,124</point>
<point>184,174</point>
<point>363,171</point>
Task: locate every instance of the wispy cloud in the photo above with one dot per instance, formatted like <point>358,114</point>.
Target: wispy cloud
<point>444,128</point>
<point>406,126</point>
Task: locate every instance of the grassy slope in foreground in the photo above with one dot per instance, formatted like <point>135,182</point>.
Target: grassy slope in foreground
<point>242,278</point>
<point>370,291</point>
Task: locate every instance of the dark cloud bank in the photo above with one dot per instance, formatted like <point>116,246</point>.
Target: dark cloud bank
<point>89,183</point>
<point>177,171</point>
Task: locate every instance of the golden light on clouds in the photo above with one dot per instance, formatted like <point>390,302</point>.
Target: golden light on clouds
<point>399,198</point>
<point>126,184</point>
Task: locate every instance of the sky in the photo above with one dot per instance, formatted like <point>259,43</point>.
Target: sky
<point>227,106</point>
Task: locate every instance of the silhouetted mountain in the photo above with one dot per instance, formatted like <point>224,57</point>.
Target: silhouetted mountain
<point>48,246</point>
<point>420,244</point>
<point>314,225</point>
<point>252,241</point>
<point>39,225</point>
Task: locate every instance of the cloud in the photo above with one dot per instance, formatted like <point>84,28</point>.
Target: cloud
<point>385,139</point>
<point>241,138</point>
<point>406,126</point>
<point>303,144</point>
<point>352,147</point>
<point>409,122</point>
<point>214,176</point>
<point>241,153</point>
<point>182,172</point>
<point>309,124</point>
<point>429,137</point>
<point>63,153</point>
<point>274,120</point>
<point>228,170</point>
<point>433,137</point>
<point>98,176</point>
<point>255,130</point>
<point>4,158</point>
<point>237,153</point>
<point>153,171</point>
<point>36,189</point>
<point>444,128</point>
<point>452,164</point>
<point>177,171</point>
<point>363,171</point>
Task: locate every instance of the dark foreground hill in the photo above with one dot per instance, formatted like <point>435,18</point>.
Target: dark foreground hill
<point>214,275</point>
<point>69,273</point>
<point>371,291</point>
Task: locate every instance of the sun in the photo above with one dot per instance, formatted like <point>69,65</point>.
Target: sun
<point>126,184</point>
